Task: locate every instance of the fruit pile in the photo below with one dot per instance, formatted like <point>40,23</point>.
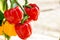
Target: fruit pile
<point>16,20</point>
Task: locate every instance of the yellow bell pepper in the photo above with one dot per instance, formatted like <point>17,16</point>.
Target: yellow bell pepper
<point>1,30</point>
<point>9,29</point>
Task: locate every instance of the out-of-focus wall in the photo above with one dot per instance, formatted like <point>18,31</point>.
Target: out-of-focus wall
<point>44,4</point>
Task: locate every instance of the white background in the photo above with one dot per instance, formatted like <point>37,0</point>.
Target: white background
<point>47,27</point>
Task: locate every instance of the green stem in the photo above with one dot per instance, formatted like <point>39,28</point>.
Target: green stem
<point>27,6</point>
<point>26,2</point>
<point>11,3</point>
<point>6,36</point>
<point>20,7</point>
<point>6,5</point>
<point>25,18</point>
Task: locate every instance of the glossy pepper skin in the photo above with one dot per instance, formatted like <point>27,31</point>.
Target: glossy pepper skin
<point>23,30</point>
<point>14,15</point>
<point>33,12</point>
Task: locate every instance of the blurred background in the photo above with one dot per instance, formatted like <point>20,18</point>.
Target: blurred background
<point>47,27</point>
